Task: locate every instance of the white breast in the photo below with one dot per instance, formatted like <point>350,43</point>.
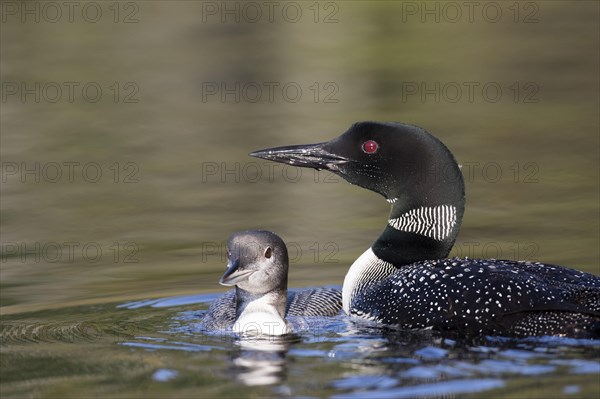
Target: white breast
<point>368,268</point>
<point>261,317</point>
<point>261,323</point>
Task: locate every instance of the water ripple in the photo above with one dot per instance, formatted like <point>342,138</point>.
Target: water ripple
<point>441,388</point>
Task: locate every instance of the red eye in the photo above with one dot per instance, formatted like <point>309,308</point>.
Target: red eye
<point>370,147</point>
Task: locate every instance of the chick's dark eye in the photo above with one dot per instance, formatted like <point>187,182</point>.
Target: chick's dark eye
<point>370,147</point>
<point>268,252</point>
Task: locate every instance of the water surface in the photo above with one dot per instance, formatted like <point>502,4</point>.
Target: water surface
<point>175,180</point>
<point>155,348</point>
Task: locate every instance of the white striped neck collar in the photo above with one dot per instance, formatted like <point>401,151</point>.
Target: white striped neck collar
<point>437,222</point>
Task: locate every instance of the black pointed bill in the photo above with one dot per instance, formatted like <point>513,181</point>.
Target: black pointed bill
<point>234,275</point>
<point>306,156</point>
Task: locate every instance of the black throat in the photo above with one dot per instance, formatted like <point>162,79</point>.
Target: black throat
<point>426,213</point>
<point>400,247</point>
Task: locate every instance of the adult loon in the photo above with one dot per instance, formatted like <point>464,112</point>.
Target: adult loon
<point>403,279</point>
<point>257,265</point>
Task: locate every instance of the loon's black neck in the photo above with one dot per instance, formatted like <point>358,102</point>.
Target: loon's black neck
<point>402,247</point>
<point>424,221</point>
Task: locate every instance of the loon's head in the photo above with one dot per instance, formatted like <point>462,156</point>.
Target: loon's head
<point>398,161</point>
<point>257,262</point>
<point>411,168</point>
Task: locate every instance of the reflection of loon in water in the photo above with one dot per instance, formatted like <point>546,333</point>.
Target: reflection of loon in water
<point>262,361</point>
<point>404,278</point>
<point>257,264</point>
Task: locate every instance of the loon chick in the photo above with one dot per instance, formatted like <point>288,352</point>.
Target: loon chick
<point>403,279</point>
<point>257,265</point>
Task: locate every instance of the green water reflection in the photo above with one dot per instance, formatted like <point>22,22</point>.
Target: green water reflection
<point>175,175</point>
